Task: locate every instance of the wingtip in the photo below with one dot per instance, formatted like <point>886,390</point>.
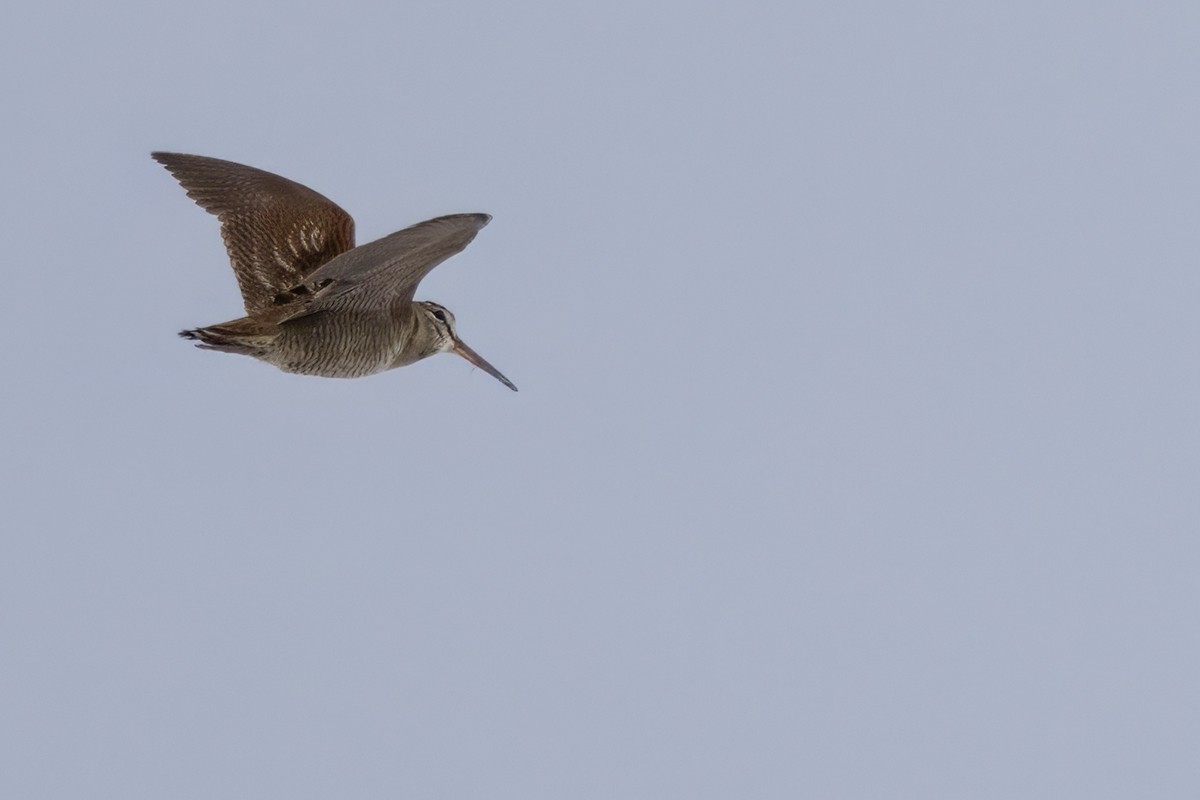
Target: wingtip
<point>171,160</point>
<point>168,160</point>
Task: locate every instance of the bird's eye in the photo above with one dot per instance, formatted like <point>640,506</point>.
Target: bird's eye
<point>439,314</point>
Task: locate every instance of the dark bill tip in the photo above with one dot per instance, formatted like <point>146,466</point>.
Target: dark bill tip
<point>470,355</point>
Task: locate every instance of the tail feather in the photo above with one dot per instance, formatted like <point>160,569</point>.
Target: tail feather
<point>231,337</point>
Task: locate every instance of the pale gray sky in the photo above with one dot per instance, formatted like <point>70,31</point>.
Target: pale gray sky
<point>856,449</point>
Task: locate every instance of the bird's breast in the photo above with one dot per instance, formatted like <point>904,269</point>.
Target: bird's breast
<point>339,345</point>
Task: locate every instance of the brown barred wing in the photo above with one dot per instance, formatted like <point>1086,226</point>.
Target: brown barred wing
<point>277,231</point>
<point>378,275</point>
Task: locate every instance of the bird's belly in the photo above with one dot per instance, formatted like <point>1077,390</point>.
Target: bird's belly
<point>336,346</point>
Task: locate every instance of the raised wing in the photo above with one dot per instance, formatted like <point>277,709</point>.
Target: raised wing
<point>277,232</point>
<point>376,276</point>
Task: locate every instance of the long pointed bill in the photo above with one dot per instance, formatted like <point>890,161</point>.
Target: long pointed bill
<point>470,355</point>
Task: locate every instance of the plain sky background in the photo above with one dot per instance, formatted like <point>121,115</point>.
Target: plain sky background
<point>856,452</point>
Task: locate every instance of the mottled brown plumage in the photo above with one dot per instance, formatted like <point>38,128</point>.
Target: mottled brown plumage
<point>315,303</point>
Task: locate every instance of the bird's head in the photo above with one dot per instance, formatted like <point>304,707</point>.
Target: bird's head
<point>443,338</point>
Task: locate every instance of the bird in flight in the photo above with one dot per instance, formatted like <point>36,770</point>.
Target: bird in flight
<point>315,303</point>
